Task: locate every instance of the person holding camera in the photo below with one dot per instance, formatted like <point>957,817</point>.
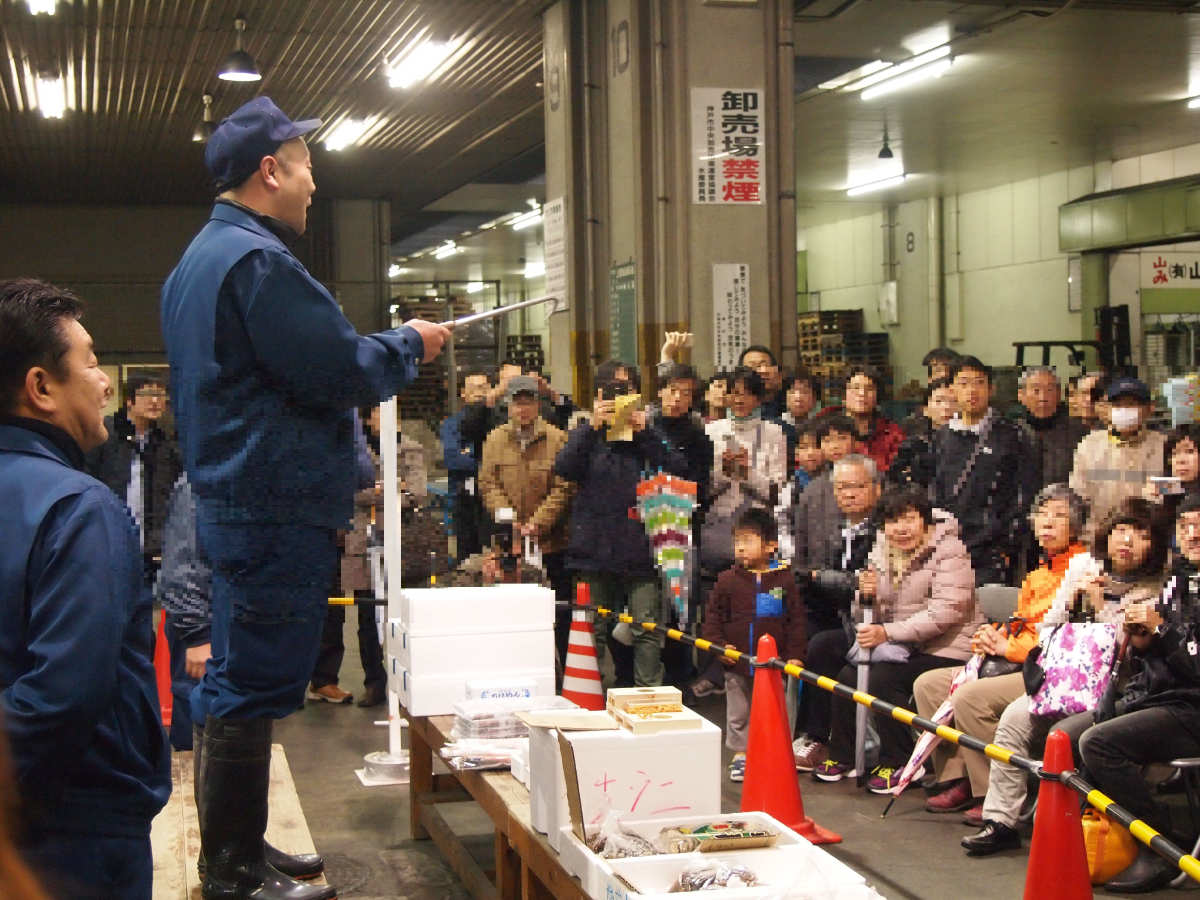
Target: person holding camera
<point>607,547</point>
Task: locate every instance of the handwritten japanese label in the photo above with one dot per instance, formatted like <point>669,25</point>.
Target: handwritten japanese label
<point>728,145</point>
<point>731,313</point>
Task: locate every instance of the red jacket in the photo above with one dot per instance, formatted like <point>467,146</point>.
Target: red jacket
<point>883,442</point>
<point>731,615</point>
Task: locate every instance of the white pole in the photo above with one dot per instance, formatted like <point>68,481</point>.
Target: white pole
<point>391,557</point>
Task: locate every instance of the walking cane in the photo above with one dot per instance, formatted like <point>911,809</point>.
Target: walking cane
<point>860,711</point>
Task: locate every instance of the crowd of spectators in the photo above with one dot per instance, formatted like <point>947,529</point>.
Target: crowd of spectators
<point>813,508</point>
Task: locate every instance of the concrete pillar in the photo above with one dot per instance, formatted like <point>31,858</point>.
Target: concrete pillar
<point>625,82</point>
<point>360,234</point>
<point>1093,271</point>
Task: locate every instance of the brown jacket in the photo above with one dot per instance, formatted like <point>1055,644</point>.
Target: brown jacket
<point>525,481</point>
<point>413,475</point>
<point>933,607</point>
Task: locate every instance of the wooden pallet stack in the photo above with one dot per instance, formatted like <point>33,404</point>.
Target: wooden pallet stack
<point>425,398</point>
<point>833,340</point>
<point>526,350</point>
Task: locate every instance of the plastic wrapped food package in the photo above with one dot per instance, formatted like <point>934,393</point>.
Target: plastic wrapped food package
<point>713,876</point>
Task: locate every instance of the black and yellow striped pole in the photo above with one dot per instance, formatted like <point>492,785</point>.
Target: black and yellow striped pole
<point>1139,829</point>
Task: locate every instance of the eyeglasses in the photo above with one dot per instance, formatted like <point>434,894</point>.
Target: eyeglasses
<point>151,395</point>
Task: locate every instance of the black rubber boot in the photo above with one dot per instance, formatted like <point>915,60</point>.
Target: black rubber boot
<point>1149,872</point>
<point>297,865</point>
<point>234,776</point>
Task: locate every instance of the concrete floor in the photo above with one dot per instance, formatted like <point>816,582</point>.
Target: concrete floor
<point>364,832</point>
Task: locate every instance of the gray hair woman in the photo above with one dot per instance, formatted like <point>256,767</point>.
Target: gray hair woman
<point>1057,519</point>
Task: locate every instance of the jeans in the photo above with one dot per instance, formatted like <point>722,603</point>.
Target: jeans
<point>86,866</point>
<point>641,594</point>
<point>270,592</point>
<point>1115,751</point>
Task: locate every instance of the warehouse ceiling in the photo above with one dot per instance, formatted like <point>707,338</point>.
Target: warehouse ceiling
<point>136,70</point>
<point>1036,87</point>
<point>1029,93</point>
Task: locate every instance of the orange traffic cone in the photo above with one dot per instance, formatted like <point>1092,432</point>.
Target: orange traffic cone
<point>581,675</point>
<point>1057,864</point>
<point>771,785</point>
<point>162,671</point>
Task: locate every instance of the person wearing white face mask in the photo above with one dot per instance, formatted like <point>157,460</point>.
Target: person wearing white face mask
<point>1112,465</point>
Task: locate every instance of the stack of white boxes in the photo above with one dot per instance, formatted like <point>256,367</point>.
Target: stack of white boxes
<point>447,637</point>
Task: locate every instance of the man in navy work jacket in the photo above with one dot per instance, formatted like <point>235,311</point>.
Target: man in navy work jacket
<point>77,688</point>
<point>265,370</point>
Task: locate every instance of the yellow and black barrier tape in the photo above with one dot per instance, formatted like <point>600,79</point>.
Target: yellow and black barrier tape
<point>1136,827</point>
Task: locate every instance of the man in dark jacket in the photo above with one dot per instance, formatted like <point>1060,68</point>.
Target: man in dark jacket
<point>265,370</point>
<point>608,548</point>
<point>461,457</point>
<point>1054,433</point>
<point>836,557</point>
<point>77,692</point>
<point>985,473</point>
<point>682,428</point>
<point>140,462</point>
<point>684,431</point>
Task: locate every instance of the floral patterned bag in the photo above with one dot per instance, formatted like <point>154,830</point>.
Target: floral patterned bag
<point>1077,661</point>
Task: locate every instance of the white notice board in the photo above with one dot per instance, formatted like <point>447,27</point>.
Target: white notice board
<point>731,313</point>
<point>554,233</point>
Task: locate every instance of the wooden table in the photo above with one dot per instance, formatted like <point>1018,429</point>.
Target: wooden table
<point>526,866</point>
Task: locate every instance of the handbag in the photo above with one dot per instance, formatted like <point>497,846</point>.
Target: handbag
<point>1077,661</point>
<point>887,652</point>
<point>1110,849</point>
<point>994,666</point>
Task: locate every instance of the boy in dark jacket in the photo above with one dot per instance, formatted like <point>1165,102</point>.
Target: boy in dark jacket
<point>608,548</point>
<point>755,596</point>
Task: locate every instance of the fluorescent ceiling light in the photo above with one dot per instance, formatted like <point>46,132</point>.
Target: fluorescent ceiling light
<point>925,73</point>
<point>876,65</point>
<point>447,249</point>
<point>418,62</point>
<point>915,62</point>
<point>474,287</point>
<point>524,220</point>
<point>42,7</point>
<point>881,184</point>
<point>52,97</point>
<point>1193,103</point>
<point>395,270</point>
<point>394,308</point>
<point>348,132</point>
<point>535,269</point>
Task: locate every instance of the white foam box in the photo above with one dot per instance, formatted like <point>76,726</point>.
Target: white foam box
<point>503,607</point>
<point>436,694</point>
<point>595,872</point>
<point>796,872</point>
<point>648,776</point>
<point>486,654</point>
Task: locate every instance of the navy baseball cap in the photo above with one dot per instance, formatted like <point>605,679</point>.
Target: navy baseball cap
<point>254,130</point>
<point>1128,387</point>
